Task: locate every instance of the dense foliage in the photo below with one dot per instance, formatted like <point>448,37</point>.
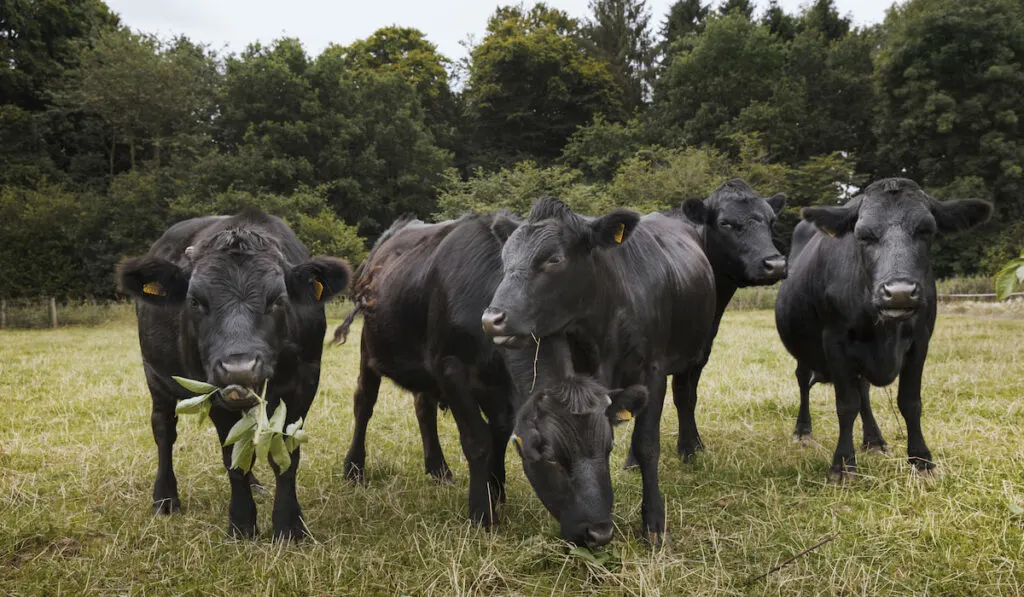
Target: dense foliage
<point>109,135</point>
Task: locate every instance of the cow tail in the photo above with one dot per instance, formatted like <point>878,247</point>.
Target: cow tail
<point>341,332</point>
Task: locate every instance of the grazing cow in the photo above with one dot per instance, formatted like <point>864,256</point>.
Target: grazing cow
<point>858,307</point>
<point>735,225</point>
<point>232,301</point>
<point>638,294</point>
<point>422,293</point>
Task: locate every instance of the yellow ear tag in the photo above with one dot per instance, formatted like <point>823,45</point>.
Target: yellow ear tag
<point>318,289</point>
<point>518,441</point>
<point>153,288</point>
<point>623,415</point>
<point>829,232</point>
<point>619,233</point>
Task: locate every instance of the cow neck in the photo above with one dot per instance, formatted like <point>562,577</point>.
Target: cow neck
<point>550,358</point>
<point>725,289</point>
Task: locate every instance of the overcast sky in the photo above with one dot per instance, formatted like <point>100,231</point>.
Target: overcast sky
<point>232,24</point>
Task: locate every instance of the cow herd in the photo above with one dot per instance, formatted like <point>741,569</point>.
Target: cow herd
<point>548,331</point>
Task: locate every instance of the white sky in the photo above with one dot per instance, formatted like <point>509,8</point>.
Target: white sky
<point>233,24</point>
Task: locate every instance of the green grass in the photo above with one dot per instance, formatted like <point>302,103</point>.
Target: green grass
<point>77,461</point>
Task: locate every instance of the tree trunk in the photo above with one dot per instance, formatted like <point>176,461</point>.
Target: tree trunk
<point>53,312</point>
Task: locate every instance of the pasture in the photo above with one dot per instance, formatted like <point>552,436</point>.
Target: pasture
<point>77,461</point>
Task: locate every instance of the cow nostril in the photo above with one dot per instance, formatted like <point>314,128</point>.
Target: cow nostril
<point>494,320</point>
<point>599,534</point>
<point>241,371</point>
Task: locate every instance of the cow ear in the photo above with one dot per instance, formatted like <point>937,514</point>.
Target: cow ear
<point>503,226</point>
<point>957,216</point>
<point>612,229</point>
<point>626,403</point>
<point>696,211</point>
<point>833,221</point>
<point>318,280</point>
<point>777,202</point>
<point>153,280</point>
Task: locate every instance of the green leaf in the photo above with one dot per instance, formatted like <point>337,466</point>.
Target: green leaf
<point>192,405</point>
<point>290,443</point>
<point>1008,277</point>
<point>300,436</point>
<point>199,387</point>
<point>242,428</point>
<point>1016,510</point>
<point>263,439</point>
<point>277,420</point>
<point>279,453</point>
<point>585,554</point>
<point>293,427</point>
<point>241,455</point>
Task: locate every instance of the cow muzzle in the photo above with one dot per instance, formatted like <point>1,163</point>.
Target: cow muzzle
<point>495,324</point>
<point>898,299</point>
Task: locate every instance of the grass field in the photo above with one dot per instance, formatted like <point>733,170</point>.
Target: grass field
<point>77,461</point>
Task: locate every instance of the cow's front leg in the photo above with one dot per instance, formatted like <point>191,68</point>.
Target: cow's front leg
<point>242,509</point>
<point>909,400</point>
<point>848,402</point>
<point>646,446</point>
<point>288,522</point>
<point>873,440</point>
<point>165,432</point>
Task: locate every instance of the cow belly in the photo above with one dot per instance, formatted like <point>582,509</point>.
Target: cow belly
<point>880,362</point>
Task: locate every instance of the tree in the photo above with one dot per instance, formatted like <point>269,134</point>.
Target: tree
<point>531,84</point>
<point>781,24</point>
<point>734,63</point>
<point>685,19</point>
<point>949,110</point>
<point>743,7</point>
<point>620,33</point>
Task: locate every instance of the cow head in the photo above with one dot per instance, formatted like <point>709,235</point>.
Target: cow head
<point>238,298</point>
<point>548,270</point>
<point>737,226</point>
<point>894,224</point>
<point>564,436</point>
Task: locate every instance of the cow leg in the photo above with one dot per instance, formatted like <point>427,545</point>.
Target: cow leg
<point>364,399</point>
<point>873,440</point>
<point>803,418</point>
<point>684,394</point>
<point>287,515</point>
<point>476,440</point>
<point>242,509</point>
<point>909,400</point>
<point>165,432</point>
<point>848,401</point>
<point>433,456</point>
<point>501,431</point>
<point>647,447</point>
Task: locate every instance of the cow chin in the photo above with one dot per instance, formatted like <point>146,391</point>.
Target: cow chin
<point>235,398</point>
<point>510,341</point>
<point>896,314</point>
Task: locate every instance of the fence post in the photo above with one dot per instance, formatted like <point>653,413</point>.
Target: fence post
<point>3,314</point>
<point>53,312</point>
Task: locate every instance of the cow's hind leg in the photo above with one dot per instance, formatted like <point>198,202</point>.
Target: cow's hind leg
<point>433,456</point>
<point>684,394</point>
<point>364,399</point>
<point>873,440</point>
<point>803,418</point>
<point>909,400</point>
<point>242,509</point>
<point>477,443</point>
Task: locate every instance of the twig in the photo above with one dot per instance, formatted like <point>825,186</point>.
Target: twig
<point>892,407</point>
<point>828,539</point>
<point>536,355</point>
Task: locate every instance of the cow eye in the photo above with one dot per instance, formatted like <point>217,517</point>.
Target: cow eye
<point>553,260</point>
<point>730,225</point>
<point>276,304</point>
<point>924,231</point>
<point>866,236</point>
<point>197,304</point>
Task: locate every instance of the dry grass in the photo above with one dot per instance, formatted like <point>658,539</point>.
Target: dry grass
<point>77,460</point>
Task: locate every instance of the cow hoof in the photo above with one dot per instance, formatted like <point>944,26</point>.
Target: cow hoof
<point>291,534</point>
<point>255,484</point>
<point>442,476</point>
<point>688,458</point>
<point>656,539</point>
<point>924,466</point>
<point>806,440</point>
<point>838,476</point>
<point>167,506</point>
<point>875,445</point>
<point>354,473</point>
<point>242,531</point>
<point>631,462</point>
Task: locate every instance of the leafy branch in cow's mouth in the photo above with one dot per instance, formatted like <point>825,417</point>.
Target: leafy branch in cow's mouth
<point>253,434</point>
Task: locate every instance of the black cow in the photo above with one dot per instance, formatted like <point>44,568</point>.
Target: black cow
<point>858,307</point>
<point>735,226</point>
<point>232,300</point>
<point>422,293</point>
<point>638,294</point>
